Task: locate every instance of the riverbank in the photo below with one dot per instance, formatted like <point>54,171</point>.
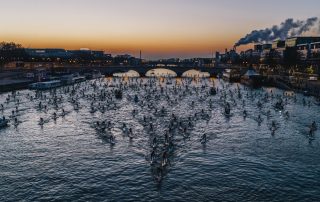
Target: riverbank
<point>303,86</point>
<point>14,80</point>
<point>10,81</point>
<point>299,82</point>
<point>12,84</point>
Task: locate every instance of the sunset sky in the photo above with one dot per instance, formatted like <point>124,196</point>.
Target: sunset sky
<point>160,28</point>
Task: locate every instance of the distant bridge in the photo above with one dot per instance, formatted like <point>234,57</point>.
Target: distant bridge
<point>142,70</point>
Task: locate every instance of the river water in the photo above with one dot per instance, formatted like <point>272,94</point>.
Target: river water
<point>68,160</point>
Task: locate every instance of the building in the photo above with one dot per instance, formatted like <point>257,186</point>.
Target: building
<point>230,56</point>
<point>52,58</point>
<point>98,54</point>
<point>266,46</point>
<point>315,51</point>
<point>265,53</point>
<point>296,41</point>
<point>278,44</point>
<point>47,53</point>
<point>257,50</point>
<point>315,47</point>
<point>126,60</point>
<point>304,51</point>
<point>257,47</point>
<point>30,65</point>
<point>218,57</point>
<point>307,47</point>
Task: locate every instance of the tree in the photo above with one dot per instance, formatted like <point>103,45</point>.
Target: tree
<point>4,46</point>
<point>291,57</point>
<point>310,70</point>
<point>11,52</point>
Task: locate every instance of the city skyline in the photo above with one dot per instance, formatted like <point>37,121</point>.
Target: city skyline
<point>160,29</point>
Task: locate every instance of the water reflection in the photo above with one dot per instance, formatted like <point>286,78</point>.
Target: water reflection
<point>130,73</point>
<point>195,73</point>
<point>260,152</point>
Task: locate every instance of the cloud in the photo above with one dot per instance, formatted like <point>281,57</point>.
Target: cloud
<point>288,28</point>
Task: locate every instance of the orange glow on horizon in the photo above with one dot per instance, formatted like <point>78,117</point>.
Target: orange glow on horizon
<point>167,28</point>
<point>175,45</point>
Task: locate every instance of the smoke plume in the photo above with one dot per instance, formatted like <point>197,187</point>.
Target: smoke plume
<point>288,28</point>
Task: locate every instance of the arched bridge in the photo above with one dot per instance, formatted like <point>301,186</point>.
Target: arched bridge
<point>142,70</point>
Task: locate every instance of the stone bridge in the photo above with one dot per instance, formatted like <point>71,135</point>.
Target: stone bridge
<point>142,70</point>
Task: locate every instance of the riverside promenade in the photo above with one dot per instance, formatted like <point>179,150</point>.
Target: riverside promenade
<point>13,81</point>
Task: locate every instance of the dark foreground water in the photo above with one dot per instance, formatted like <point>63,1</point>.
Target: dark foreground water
<point>67,160</point>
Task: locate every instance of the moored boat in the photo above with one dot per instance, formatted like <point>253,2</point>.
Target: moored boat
<point>72,79</point>
<point>231,75</point>
<point>95,74</point>
<point>252,78</point>
<point>45,85</point>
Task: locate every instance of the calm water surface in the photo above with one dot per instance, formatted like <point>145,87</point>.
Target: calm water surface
<point>67,160</point>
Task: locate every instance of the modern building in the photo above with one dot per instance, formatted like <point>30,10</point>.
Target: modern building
<point>304,46</point>
<point>278,44</point>
<point>296,41</point>
<point>304,51</point>
<point>257,47</point>
<point>230,56</point>
<point>315,47</point>
<point>315,51</point>
<point>266,46</point>
<point>47,53</point>
<point>279,47</point>
<point>98,54</point>
<point>266,49</point>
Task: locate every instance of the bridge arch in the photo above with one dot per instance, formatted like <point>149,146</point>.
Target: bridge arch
<point>195,73</point>
<point>161,72</point>
<point>142,70</point>
<point>130,73</point>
